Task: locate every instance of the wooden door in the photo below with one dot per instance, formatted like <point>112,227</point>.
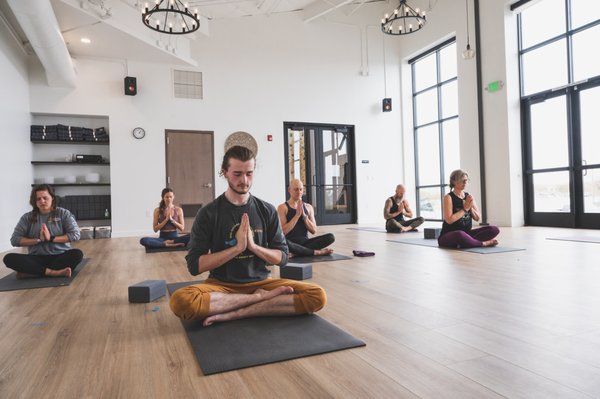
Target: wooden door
<point>190,170</point>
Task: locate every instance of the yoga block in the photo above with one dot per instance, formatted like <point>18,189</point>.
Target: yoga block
<point>296,271</point>
<point>432,233</point>
<point>102,231</point>
<point>147,291</point>
<point>87,233</point>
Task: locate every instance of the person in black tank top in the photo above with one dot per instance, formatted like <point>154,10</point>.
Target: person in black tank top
<point>169,220</point>
<point>460,210</point>
<point>297,220</point>
<point>395,209</point>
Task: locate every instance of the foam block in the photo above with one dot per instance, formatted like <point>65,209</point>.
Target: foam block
<point>432,233</point>
<point>147,291</point>
<point>296,271</point>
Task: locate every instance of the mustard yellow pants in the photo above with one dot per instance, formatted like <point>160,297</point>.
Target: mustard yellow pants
<point>193,301</point>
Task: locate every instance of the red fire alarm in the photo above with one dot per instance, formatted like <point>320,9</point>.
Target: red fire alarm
<point>269,137</point>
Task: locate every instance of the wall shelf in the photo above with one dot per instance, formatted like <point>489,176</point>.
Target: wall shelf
<point>70,142</point>
<point>74,184</point>
<point>67,163</point>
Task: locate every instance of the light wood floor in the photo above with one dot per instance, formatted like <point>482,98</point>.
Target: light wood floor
<point>437,323</point>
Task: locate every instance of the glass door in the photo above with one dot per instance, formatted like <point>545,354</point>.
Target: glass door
<point>562,173</point>
<point>322,157</point>
<point>587,168</point>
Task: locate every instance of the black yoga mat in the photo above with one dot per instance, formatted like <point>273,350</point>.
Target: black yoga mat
<point>10,282</point>
<point>594,240</point>
<point>370,229</point>
<point>433,243</point>
<point>166,249</point>
<point>255,341</point>
<point>321,258</point>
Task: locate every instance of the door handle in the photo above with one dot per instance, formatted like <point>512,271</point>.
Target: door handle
<point>208,185</point>
<point>584,162</point>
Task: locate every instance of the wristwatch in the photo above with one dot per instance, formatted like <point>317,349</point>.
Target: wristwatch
<point>52,238</point>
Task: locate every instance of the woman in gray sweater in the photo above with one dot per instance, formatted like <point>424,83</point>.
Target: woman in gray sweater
<point>47,232</point>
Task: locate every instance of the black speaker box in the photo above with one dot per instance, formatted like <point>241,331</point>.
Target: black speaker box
<point>387,104</point>
<point>130,86</point>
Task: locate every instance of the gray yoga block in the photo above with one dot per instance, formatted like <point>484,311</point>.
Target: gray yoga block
<point>147,291</point>
<point>296,271</point>
<point>432,233</point>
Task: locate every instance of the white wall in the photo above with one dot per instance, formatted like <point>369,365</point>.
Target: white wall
<point>502,143</point>
<point>15,152</point>
<point>254,80</point>
<point>260,72</point>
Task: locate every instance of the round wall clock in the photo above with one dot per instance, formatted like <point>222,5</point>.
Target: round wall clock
<point>139,133</point>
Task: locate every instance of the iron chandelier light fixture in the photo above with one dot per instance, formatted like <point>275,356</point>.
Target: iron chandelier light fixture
<point>403,21</point>
<point>171,16</point>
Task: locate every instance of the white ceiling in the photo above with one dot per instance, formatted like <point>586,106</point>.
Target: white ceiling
<point>108,22</point>
<point>116,31</point>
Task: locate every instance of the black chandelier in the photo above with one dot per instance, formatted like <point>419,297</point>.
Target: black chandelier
<point>171,16</point>
<point>403,21</point>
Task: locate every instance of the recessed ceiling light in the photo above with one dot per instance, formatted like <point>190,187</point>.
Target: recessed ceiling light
<point>85,40</point>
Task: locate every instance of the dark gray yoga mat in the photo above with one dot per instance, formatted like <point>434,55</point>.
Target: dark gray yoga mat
<point>433,243</point>
<point>322,258</point>
<point>165,249</point>
<point>10,282</point>
<point>371,229</point>
<point>380,230</point>
<point>594,240</point>
<point>261,340</point>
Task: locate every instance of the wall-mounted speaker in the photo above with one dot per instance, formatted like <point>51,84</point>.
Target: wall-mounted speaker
<point>130,86</point>
<point>387,104</point>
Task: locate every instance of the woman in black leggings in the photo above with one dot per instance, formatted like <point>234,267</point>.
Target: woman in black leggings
<point>47,232</point>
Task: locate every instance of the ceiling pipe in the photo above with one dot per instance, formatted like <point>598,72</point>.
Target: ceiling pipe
<point>38,21</point>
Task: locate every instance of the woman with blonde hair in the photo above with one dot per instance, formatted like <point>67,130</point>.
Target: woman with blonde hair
<point>460,210</point>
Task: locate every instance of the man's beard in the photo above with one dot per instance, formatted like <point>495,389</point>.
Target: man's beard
<point>237,190</point>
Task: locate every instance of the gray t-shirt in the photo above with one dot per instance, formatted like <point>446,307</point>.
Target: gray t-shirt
<point>214,230</point>
<point>59,222</point>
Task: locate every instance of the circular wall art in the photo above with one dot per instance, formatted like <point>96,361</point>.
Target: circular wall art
<point>242,139</point>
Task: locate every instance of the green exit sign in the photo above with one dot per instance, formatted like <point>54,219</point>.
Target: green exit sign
<point>494,86</point>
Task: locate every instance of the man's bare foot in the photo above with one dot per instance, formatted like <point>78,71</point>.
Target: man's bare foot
<point>25,275</point>
<point>405,229</point>
<point>324,251</point>
<point>235,314</point>
<point>264,294</point>
<point>489,243</point>
<point>66,272</point>
<point>173,244</point>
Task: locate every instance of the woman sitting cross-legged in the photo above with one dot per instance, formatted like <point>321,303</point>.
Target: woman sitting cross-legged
<point>168,219</point>
<point>47,232</point>
<point>459,211</point>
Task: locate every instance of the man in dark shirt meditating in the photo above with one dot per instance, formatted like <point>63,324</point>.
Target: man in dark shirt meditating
<point>234,238</point>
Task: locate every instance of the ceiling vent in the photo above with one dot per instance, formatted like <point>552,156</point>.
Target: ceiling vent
<point>187,84</point>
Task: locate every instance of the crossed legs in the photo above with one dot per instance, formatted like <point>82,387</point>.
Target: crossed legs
<point>215,301</point>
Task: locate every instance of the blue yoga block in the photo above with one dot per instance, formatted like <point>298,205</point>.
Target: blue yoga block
<point>296,271</point>
<point>147,291</point>
<point>432,233</point>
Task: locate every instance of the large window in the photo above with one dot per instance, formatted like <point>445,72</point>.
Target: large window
<point>560,92</point>
<point>435,107</point>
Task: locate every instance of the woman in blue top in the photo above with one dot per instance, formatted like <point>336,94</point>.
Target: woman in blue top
<point>459,211</point>
<point>47,232</point>
<point>168,219</point>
